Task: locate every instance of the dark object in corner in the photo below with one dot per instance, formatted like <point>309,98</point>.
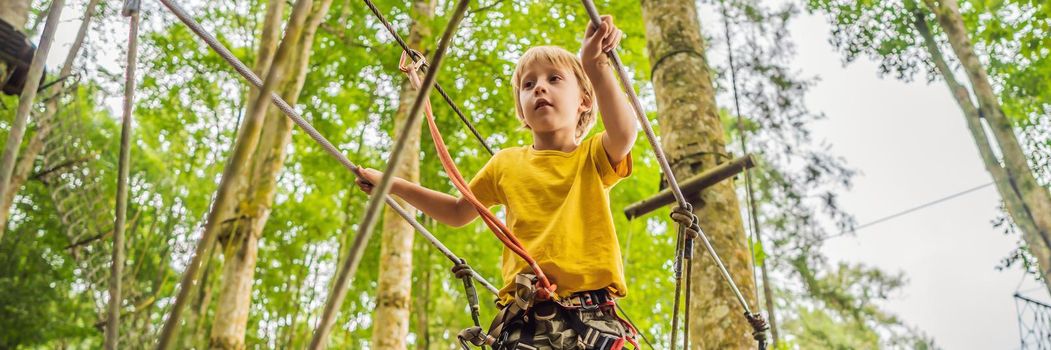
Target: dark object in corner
<point>16,52</point>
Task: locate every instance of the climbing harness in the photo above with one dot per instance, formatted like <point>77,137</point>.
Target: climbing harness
<point>754,319</point>
<point>525,310</point>
<point>688,231</point>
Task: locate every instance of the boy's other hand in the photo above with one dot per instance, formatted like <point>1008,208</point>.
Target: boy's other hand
<point>598,41</point>
<point>371,177</point>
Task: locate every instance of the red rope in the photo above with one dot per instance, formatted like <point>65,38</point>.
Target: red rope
<point>502,232</point>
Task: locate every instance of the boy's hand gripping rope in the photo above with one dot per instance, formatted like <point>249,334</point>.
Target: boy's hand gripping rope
<point>545,289</point>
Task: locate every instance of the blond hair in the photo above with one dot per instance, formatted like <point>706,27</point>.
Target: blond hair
<point>563,59</point>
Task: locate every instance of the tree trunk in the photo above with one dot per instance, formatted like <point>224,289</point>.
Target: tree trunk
<point>423,299</point>
<point>1005,175</point>
<point>27,98</point>
<point>44,123</point>
<point>253,208</point>
<point>15,13</point>
<point>693,137</point>
<point>393,293</point>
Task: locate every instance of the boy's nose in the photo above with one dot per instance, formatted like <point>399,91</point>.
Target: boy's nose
<point>539,87</point>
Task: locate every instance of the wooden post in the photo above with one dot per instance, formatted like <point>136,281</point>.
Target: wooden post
<point>691,187</point>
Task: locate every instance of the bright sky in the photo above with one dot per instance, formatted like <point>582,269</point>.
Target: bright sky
<point>911,146</point>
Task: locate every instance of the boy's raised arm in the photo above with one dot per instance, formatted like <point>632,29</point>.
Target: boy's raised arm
<point>617,115</point>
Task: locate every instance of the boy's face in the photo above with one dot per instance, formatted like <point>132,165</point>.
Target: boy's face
<point>550,98</point>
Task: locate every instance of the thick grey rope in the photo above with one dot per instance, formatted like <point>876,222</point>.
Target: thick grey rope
<point>247,140</point>
<point>131,10</point>
<point>296,118</point>
<point>659,153</point>
<point>349,266</point>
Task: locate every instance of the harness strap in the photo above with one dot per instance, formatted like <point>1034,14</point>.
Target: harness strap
<point>592,338</point>
<point>525,338</point>
<point>516,317</point>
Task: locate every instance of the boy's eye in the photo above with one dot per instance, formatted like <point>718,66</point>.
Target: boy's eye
<point>528,85</point>
<point>555,78</point>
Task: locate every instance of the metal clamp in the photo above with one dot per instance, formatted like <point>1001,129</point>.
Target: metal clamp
<point>131,7</point>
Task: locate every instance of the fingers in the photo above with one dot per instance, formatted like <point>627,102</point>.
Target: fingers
<point>364,186</point>
<point>610,34</point>
<point>603,30</point>
<point>365,181</point>
<point>613,40</point>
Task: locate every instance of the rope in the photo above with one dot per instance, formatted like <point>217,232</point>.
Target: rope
<point>907,211</point>
<point>750,200</point>
<point>463,272</point>
<point>663,162</point>
<point>325,144</point>
<point>626,317</point>
<point>679,213</point>
<point>501,231</point>
<point>131,10</point>
<point>416,58</point>
<point>296,118</point>
<point>381,190</point>
<point>247,139</point>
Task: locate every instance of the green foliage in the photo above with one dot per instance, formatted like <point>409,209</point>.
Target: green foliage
<point>189,104</point>
<point>39,293</point>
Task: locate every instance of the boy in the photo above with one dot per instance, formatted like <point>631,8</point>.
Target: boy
<point>556,192</point>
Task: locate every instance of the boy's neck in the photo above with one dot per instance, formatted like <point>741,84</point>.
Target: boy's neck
<point>561,140</point>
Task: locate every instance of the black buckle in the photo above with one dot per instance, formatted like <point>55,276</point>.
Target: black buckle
<point>598,340</point>
<point>595,299</point>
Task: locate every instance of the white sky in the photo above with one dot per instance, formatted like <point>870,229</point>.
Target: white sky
<point>911,146</point>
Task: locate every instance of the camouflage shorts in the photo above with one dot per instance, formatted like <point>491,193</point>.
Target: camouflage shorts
<point>553,331</point>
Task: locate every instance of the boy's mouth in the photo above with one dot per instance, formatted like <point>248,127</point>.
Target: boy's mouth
<point>541,103</point>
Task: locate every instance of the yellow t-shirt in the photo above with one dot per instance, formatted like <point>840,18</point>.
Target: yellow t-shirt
<point>558,206</point>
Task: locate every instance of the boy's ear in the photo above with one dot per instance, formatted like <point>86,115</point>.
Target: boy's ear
<point>585,105</point>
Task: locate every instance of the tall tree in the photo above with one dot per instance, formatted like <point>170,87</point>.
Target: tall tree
<point>241,233</point>
<point>693,137</point>
<point>15,13</point>
<point>45,121</point>
<point>905,41</point>
<point>1028,202</point>
<point>393,291</point>
<point>27,98</point>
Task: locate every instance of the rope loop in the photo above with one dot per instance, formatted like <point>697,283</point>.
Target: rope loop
<point>759,328</point>
<point>462,270</point>
<point>685,217</point>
